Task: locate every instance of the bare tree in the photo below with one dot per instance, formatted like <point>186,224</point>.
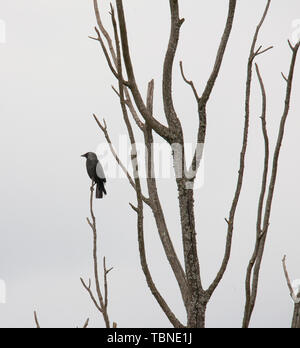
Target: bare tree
<point>116,49</point>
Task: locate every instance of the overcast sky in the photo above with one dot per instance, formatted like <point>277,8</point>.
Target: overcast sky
<point>53,78</point>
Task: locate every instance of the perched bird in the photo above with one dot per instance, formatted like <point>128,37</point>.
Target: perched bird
<point>96,173</point>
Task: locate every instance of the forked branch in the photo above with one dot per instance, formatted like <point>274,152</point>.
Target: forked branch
<point>271,188</point>
<point>105,33</point>
<point>139,208</point>
<point>259,234</point>
<point>160,129</point>
<point>100,302</point>
<point>204,98</point>
<point>230,224</point>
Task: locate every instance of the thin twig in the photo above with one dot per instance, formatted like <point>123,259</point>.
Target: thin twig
<point>36,320</point>
<point>105,33</point>
<point>189,82</point>
<point>93,298</point>
<point>288,281</point>
<point>99,39</point>
<point>291,46</point>
<point>259,52</point>
<point>86,324</point>
<point>103,128</point>
<point>105,273</point>
<point>284,77</point>
<point>133,112</point>
<point>134,208</point>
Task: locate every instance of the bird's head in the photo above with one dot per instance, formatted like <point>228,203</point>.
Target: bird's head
<point>89,155</point>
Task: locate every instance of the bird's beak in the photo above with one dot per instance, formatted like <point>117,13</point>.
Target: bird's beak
<point>83,155</point>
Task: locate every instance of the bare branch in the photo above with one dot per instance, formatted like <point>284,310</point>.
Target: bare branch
<point>93,298</point>
<point>139,208</point>
<point>203,100</point>
<point>86,324</point>
<point>36,320</point>
<point>240,179</point>
<point>269,201</point>
<point>284,77</point>
<point>259,52</point>
<point>107,137</point>
<point>291,46</point>
<point>170,113</point>
<point>185,195</point>
<point>150,96</point>
<point>105,33</point>
<point>115,90</point>
<point>220,55</point>
<point>133,112</point>
<point>296,317</point>
<point>248,308</point>
<point>252,53</point>
<point>267,152</point>
<point>99,39</point>
<point>108,59</point>
<point>162,130</point>
<point>157,208</point>
<point>288,281</point>
<point>105,272</point>
<point>95,257</point>
<point>134,207</point>
<point>189,82</point>
<point>131,108</point>
<point>101,304</point>
<point>227,221</point>
<point>263,51</point>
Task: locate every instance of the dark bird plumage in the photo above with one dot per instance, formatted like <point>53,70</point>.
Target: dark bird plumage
<point>96,173</point>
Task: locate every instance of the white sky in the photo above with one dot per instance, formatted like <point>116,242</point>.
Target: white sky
<point>53,78</point>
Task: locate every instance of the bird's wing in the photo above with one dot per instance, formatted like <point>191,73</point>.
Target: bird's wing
<point>91,169</point>
<point>100,171</point>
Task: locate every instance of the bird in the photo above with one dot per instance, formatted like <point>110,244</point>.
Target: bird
<point>96,173</point>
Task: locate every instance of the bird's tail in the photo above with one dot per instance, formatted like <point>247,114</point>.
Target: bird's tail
<point>100,189</point>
